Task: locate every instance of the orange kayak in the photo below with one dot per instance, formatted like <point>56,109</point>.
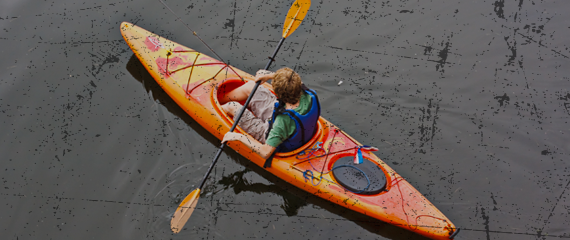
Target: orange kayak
<point>195,81</point>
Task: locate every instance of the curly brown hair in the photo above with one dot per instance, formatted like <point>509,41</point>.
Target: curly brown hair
<point>287,85</point>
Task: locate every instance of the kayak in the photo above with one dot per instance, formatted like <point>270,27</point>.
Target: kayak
<point>327,166</point>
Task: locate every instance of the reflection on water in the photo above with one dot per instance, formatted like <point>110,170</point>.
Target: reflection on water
<point>235,181</point>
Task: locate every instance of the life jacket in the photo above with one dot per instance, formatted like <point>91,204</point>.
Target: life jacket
<point>305,124</point>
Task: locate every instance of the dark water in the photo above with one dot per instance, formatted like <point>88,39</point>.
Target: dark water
<point>468,100</point>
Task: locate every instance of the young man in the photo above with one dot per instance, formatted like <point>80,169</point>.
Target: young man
<point>279,123</point>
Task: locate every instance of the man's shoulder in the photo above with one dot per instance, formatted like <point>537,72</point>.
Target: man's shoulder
<point>283,119</point>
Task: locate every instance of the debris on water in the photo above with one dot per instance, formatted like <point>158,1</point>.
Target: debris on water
<point>340,82</point>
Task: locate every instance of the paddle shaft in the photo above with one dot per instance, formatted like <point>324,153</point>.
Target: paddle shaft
<point>244,107</point>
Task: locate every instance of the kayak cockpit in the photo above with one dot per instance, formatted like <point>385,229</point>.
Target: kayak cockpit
<point>230,84</point>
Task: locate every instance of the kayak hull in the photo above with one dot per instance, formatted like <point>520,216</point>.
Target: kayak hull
<point>194,81</point>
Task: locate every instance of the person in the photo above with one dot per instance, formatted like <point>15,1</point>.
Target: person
<point>277,123</point>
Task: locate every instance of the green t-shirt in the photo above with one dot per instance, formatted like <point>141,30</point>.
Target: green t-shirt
<point>284,126</point>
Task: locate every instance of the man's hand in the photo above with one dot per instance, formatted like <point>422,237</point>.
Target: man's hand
<point>232,136</point>
<point>264,150</point>
<point>263,75</point>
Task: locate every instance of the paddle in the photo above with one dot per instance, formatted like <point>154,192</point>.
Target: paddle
<point>295,16</point>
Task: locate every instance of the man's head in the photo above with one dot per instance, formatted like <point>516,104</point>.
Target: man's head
<point>287,85</point>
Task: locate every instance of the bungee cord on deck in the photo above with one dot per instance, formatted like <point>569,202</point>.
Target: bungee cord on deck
<point>198,54</point>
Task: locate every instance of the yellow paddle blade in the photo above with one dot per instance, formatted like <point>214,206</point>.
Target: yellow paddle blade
<point>295,16</point>
<point>184,211</point>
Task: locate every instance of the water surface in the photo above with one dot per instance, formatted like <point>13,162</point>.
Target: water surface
<point>469,101</point>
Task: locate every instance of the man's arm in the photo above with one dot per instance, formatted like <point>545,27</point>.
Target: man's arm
<point>264,150</point>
